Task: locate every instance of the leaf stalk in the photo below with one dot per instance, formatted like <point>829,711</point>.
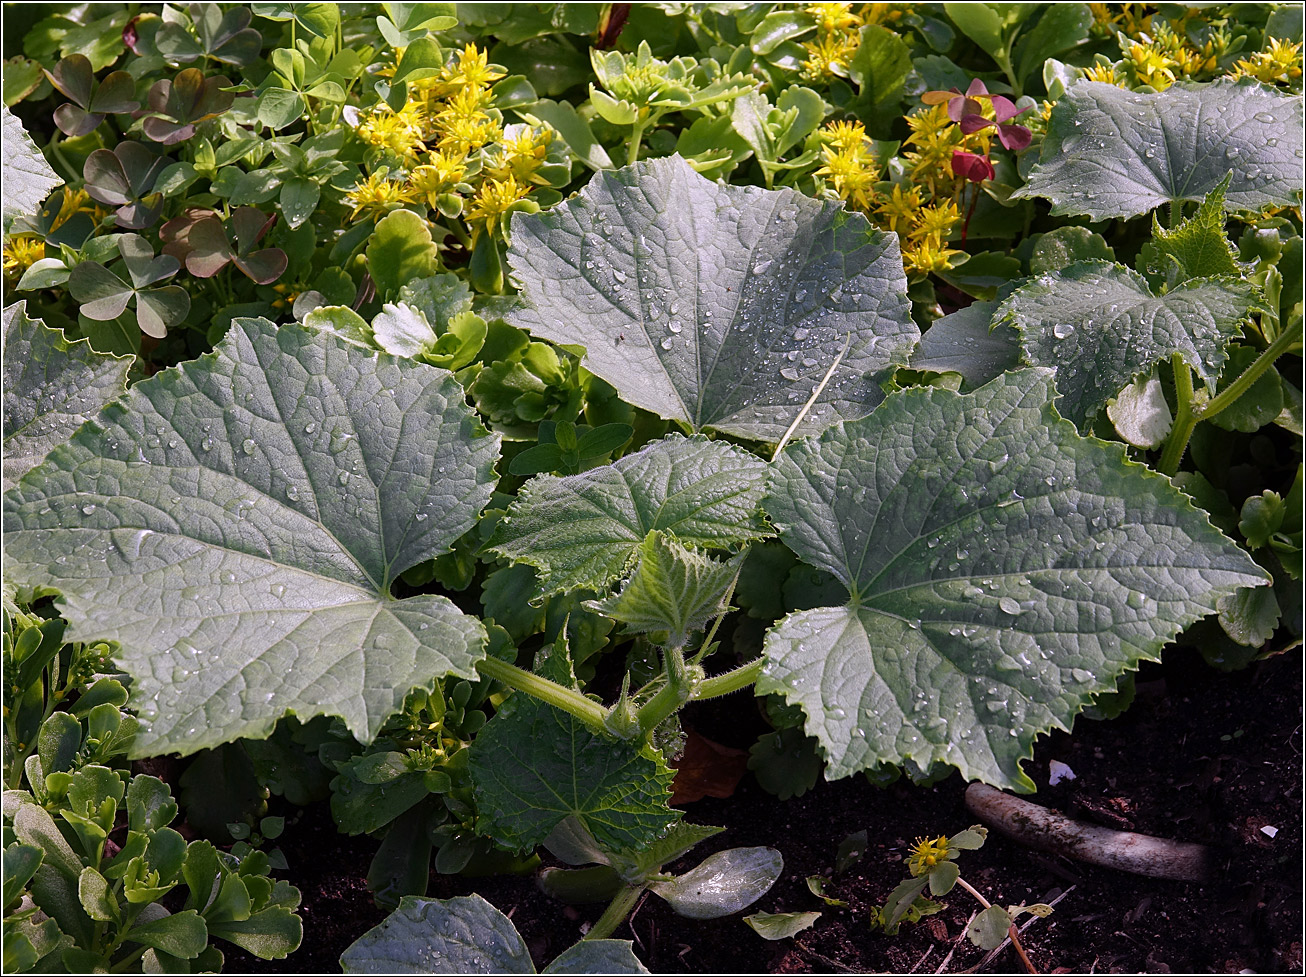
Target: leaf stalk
<point>559,696</point>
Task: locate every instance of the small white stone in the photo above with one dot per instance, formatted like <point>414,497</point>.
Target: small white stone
<point>1269,831</point>
<point>1058,771</point>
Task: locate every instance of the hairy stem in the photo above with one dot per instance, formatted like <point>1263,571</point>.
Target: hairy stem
<point>1184,421</point>
<point>559,696</point>
<point>1187,416</point>
<point>731,681</point>
<point>674,694</point>
<point>615,914</point>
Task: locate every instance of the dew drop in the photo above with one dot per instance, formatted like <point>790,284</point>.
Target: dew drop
<point>1009,605</point>
<point>248,446</point>
<point>1062,329</point>
<point>88,508</point>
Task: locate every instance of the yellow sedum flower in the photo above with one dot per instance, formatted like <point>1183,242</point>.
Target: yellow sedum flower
<point>492,202</point>
<point>20,253</point>
<point>1279,62</point>
<point>441,175</point>
<point>377,196</point>
<point>850,177</point>
<point>400,132</point>
<point>926,854</point>
<point>521,152</point>
<point>831,17</point>
<point>1104,73</point>
<point>1151,66</point>
<point>937,220</point>
<point>471,69</point>
<point>901,208</point>
<point>463,124</point>
<point>829,55</point>
<point>847,137</point>
<point>926,255</point>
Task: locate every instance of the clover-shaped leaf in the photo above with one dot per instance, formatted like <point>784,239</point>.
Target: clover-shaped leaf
<point>125,178</point>
<point>91,101</point>
<point>1115,153</point>
<point>219,36</point>
<point>199,239</point>
<point>104,295</point>
<point>1003,571</point>
<point>178,104</point>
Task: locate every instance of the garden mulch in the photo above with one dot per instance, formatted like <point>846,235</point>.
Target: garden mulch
<point>1201,756</point>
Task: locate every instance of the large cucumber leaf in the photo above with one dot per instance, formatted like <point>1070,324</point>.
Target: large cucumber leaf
<point>51,386</point>
<point>28,177</point>
<point>1115,153</point>
<point>718,306</point>
<point>581,531</point>
<point>236,524</point>
<point>1099,326</point>
<point>1003,571</point>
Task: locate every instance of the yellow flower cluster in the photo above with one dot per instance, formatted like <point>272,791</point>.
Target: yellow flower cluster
<point>1166,55</point>
<point>453,147</point>
<point>927,853</point>
<point>922,212</point>
<point>20,253</point>
<point>836,41</point>
<point>1127,18</point>
<point>1279,61</point>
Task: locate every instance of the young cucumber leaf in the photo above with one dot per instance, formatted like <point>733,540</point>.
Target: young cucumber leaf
<point>1003,570</point>
<point>1115,153</point>
<point>1196,248</point>
<point>1099,326</point>
<point>718,306</point>
<point>50,387</point>
<point>535,766</point>
<point>581,531</point>
<point>671,589</point>
<point>236,525</point>
<point>467,935</point>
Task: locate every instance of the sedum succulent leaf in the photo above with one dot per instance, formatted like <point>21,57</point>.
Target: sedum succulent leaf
<point>1003,571</point>
<point>1115,153</point>
<point>1099,326</point>
<point>718,306</point>
<point>51,386</point>
<point>581,531</point>
<point>236,525</point>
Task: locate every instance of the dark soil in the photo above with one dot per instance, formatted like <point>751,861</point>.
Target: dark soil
<point>1201,756</point>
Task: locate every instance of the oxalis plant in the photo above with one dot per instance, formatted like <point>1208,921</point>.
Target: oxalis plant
<point>274,542</point>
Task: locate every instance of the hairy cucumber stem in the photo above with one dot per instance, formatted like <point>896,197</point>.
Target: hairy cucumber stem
<point>615,914</point>
<point>559,696</point>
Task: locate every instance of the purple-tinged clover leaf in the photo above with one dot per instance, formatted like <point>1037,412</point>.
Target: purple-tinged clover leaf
<point>225,37</point>
<point>91,101</point>
<point>177,105</point>
<point>125,178</point>
<point>199,239</point>
<point>104,294</point>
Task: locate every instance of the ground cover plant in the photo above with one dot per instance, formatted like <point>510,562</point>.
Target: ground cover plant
<point>411,411</point>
